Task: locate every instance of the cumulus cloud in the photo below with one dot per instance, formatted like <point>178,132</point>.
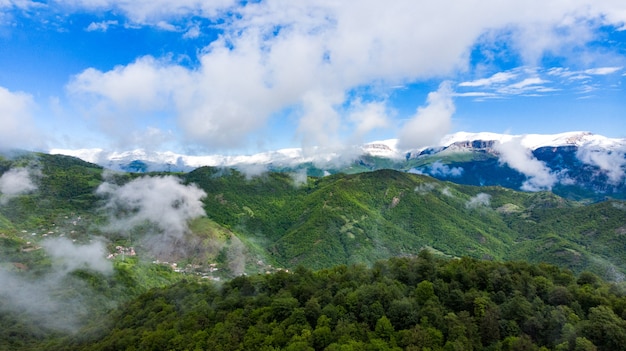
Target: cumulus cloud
<point>163,203</point>
<point>17,129</point>
<point>236,255</point>
<point>431,122</point>
<point>144,85</point>
<point>498,78</point>
<point>611,162</point>
<point>47,299</point>
<point>299,177</point>
<point>20,4</point>
<point>68,257</point>
<point>424,188</point>
<point>14,182</point>
<point>252,170</point>
<point>151,12</point>
<point>439,169</point>
<point>36,300</point>
<point>515,155</point>
<point>478,201</point>
<point>367,117</point>
<point>192,32</point>
<point>101,26</point>
<point>17,181</point>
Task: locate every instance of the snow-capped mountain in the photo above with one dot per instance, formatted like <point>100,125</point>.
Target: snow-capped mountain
<point>574,164</point>
<point>535,141</point>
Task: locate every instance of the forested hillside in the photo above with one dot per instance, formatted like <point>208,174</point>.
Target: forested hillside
<point>421,303</point>
<point>360,218</point>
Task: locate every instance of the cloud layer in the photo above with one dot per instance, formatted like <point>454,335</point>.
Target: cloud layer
<point>308,60</point>
<point>14,182</point>
<point>515,155</point>
<point>611,162</point>
<point>163,205</point>
<point>47,300</point>
<point>162,201</point>
<point>481,200</point>
<point>17,129</point>
<point>310,72</point>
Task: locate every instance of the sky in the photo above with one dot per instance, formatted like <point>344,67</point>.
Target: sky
<point>237,77</point>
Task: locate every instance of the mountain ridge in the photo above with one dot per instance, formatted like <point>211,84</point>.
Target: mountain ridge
<point>577,165</point>
<point>383,148</point>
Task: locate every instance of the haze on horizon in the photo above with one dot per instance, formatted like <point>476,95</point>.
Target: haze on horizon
<point>245,76</point>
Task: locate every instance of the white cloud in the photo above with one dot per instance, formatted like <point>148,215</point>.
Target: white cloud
<point>438,169</point>
<point>306,60</point>
<point>476,94</point>
<point>612,162</point>
<point>478,201</point>
<point>16,181</point>
<point>603,70</point>
<point>20,4</point>
<point>582,75</point>
<point>431,122</point>
<point>146,84</point>
<point>17,129</point>
<point>526,83</point>
<point>152,11</point>
<point>166,26</point>
<point>513,153</point>
<point>299,177</point>
<point>425,188</point>
<point>101,26</point>
<point>47,301</point>
<point>252,170</point>
<point>367,117</point>
<point>161,201</point>
<point>498,78</point>
<point>192,32</point>
<point>68,257</point>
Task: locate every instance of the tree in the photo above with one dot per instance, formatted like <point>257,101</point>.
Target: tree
<point>605,329</point>
<point>384,330</point>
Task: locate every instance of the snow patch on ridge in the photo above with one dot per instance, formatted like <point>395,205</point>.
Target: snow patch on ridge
<point>535,141</point>
<point>294,156</point>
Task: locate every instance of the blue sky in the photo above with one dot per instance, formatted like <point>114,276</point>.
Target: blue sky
<point>227,76</point>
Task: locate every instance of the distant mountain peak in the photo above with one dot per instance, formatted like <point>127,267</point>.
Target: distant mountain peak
<point>387,149</point>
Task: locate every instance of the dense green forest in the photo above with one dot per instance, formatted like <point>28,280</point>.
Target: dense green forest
<point>420,303</point>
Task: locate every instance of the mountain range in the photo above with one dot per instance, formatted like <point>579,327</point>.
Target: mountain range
<point>80,244</point>
<point>238,223</point>
<point>576,165</point>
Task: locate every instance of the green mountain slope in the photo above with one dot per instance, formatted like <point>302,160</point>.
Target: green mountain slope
<point>278,220</point>
<point>369,216</point>
<point>364,217</point>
